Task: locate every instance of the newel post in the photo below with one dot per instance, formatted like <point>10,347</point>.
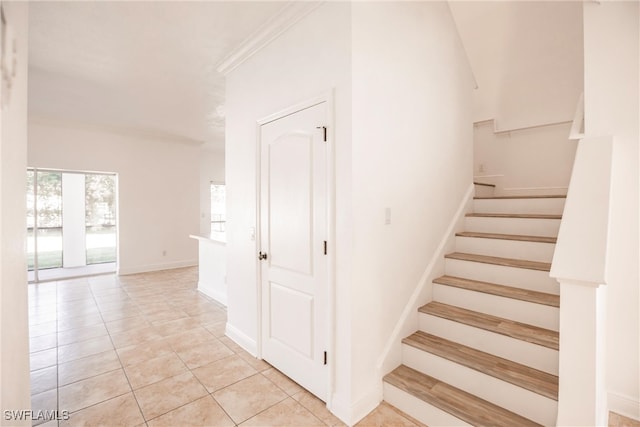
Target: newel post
<point>579,265</point>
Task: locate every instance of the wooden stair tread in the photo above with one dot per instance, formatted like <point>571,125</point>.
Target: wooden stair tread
<point>500,290</point>
<point>539,382</point>
<point>507,262</point>
<point>509,215</point>
<point>484,184</point>
<point>465,406</point>
<point>549,196</point>
<point>518,237</point>
<point>510,328</point>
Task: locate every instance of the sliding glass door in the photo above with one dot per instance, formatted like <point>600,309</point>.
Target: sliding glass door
<point>71,223</point>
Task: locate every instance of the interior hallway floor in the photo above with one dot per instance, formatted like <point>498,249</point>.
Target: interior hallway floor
<point>149,349</point>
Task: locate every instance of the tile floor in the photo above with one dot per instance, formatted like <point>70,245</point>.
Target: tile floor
<point>148,349</point>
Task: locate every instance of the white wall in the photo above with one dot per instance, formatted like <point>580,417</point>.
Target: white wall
<point>612,71</point>
<point>529,161</point>
<point>158,188</point>
<point>527,59</point>
<point>309,59</point>
<point>402,139</point>
<point>14,333</point>
<point>211,170</point>
<point>412,153</point>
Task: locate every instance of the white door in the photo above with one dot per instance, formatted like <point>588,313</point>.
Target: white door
<point>293,233</point>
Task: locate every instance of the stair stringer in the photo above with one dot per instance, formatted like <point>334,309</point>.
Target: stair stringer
<point>408,321</point>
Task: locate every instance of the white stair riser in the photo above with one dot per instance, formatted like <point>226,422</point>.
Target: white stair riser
<point>484,191</point>
<point>513,398</point>
<point>522,226</point>
<point>540,315</point>
<point>519,351</point>
<point>533,251</point>
<point>419,409</point>
<point>551,206</point>
<point>511,276</point>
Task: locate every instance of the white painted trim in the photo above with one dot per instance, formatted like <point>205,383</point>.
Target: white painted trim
<point>156,267</point>
<point>284,19</point>
<point>624,405</point>
<point>242,339</point>
<point>394,341</point>
<point>209,290</point>
<point>533,188</point>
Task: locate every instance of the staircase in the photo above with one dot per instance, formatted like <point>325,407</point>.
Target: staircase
<point>486,352</point>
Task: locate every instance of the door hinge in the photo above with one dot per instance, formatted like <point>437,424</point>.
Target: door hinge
<point>325,247</point>
<point>324,130</point>
<point>325,357</point>
<point>262,255</point>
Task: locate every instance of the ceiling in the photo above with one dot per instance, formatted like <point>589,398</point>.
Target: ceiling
<point>146,67</point>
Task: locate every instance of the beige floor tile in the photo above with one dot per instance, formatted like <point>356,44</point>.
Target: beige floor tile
<point>79,311</point>
<point>257,364</point>
<point>386,415</point>
<point>134,336</point>
<point>216,329</point>
<point>119,314</point>
<point>202,412</point>
<point>231,344</point>
<point>164,396</point>
<point>43,329</point>
<point>87,367</point>
<point>46,401</point>
<point>188,339</point>
<point>43,342</point>
<point>122,325</point>
<point>43,316</point>
<point>173,327</point>
<point>79,322</point>
<point>210,317</point>
<point>317,407</point>
<point>81,334</point>
<point>204,353</point>
<point>43,359</point>
<point>154,370</point>
<point>139,353</point>
<point>85,393</point>
<point>44,379</point>
<point>287,413</point>
<point>67,353</point>
<point>248,397</point>
<point>166,315</point>
<point>224,372</point>
<point>119,411</point>
<point>285,383</point>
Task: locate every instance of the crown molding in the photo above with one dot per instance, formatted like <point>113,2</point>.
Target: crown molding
<point>284,19</point>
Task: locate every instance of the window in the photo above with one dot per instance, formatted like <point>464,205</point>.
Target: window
<point>218,208</point>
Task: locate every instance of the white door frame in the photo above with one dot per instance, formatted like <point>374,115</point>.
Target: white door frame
<point>328,98</point>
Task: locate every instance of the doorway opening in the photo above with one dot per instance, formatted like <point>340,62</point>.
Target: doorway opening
<point>71,224</point>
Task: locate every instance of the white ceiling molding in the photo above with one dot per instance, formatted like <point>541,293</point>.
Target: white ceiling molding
<point>284,19</point>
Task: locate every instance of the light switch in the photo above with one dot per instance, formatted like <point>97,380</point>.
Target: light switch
<point>387,216</point>
<point>252,233</point>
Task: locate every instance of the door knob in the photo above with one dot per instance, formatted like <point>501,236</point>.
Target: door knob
<point>262,255</point>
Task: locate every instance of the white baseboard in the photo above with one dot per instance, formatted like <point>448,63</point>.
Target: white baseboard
<point>351,414</point>
<point>210,290</point>
<point>624,405</point>
<point>242,339</point>
<point>123,271</point>
<point>408,321</point>
<point>366,404</point>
